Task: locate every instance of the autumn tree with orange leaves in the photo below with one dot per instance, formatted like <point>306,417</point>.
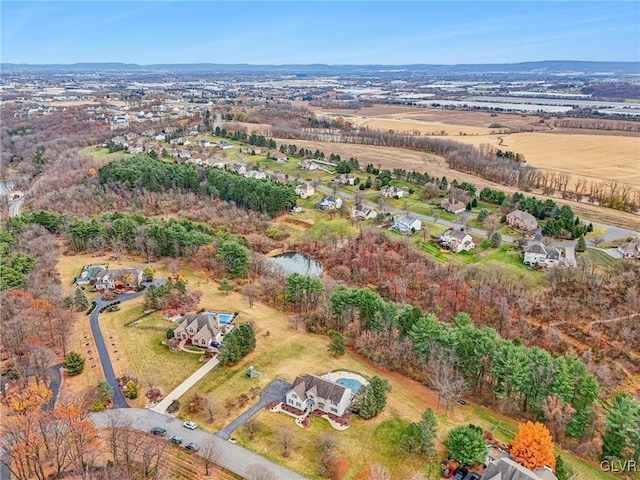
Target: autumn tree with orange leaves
<point>533,447</point>
<point>41,442</point>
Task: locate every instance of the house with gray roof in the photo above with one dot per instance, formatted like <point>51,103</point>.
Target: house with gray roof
<point>360,212</point>
<point>310,392</point>
<point>122,278</point>
<point>407,225</point>
<point>537,253</point>
<point>202,329</point>
<point>508,469</point>
<point>457,240</point>
<point>630,249</point>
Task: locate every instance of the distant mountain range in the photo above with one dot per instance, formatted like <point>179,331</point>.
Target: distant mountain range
<point>543,67</point>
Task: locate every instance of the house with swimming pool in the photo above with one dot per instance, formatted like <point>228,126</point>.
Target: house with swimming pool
<point>204,329</point>
<point>333,396</point>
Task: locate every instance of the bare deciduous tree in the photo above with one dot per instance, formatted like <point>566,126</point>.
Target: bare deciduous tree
<point>259,472</point>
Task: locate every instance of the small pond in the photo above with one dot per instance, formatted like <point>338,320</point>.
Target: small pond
<point>294,262</point>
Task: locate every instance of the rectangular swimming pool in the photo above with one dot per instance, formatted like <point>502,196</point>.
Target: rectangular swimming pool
<point>223,318</point>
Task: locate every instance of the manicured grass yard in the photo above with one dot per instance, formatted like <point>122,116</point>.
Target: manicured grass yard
<point>287,352</point>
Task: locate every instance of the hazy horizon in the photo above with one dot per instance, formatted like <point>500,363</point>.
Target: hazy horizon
<point>321,32</point>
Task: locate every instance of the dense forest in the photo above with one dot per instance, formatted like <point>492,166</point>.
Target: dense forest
<point>155,176</point>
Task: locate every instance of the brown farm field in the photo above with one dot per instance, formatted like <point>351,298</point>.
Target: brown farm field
<point>597,158</point>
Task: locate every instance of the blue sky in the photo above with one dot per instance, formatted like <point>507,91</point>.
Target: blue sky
<point>331,32</point>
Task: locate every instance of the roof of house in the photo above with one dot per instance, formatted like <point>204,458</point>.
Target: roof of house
<point>536,247</point>
<point>452,203</point>
<point>524,217</point>
<point>407,220</point>
<point>630,247</point>
<point>318,386</point>
<point>507,469</point>
<point>201,323</point>
<point>458,234</point>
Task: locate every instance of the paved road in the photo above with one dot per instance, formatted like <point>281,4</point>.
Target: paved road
<point>274,392</point>
<point>233,458</point>
<point>14,206</point>
<point>109,375</point>
<point>186,385</point>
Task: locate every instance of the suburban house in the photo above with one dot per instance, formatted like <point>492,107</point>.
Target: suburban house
<point>309,165</point>
<point>215,163</point>
<point>238,168</point>
<point>407,225</point>
<point>452,205</point>
<point>457,240</point>
<point>89,274</point>
<point>120,278</point>
<point>361,212</point>
<point>393,192</point>
<point>507,469</point>
<point>537,254</point>
<point>280,178</point>
<point>203,143</point>
<point>345,179</point>
<point>225,145</point>
<point>278,156</point>
<point>305,190</point>
<point>202,329</point>
<point>311,392</point>
<point>522,221</point>
<point>630,249</point>
<point>255,174</point>
<point>329,202</point>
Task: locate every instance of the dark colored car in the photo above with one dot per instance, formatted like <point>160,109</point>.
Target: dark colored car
<point>159,431</point>
<point>473,476</point>
<point>460,472</point>
<point>177,439</point>
<point>192,446</point>
<point>447,472</point>
<point>461,402</point>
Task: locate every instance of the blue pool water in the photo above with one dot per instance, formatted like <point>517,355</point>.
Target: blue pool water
<point>223,318</point>
<point>354,385</point>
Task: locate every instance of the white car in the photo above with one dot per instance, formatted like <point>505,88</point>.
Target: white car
<point>190,425</point>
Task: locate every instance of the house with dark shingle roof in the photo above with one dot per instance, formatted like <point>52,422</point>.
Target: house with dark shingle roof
<point>311,392</point>
<point>457,240</point>
<point>508,469</point>
<point>202,329</point>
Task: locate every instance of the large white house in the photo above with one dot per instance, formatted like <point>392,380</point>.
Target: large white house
<point>457,241</point>
<point>407,225</point>
<point>361,212</point>
<point>305,190</point>
<point>537,254</point>
<point>329,202</point>
<point>311,392</point>
<point>393,192</point>
<point>120,278</point>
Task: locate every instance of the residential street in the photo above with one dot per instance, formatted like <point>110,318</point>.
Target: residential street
<point>234,458</point>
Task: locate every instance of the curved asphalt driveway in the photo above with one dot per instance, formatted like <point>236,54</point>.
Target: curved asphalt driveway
<point>234,458</point>
<point>109,375</point>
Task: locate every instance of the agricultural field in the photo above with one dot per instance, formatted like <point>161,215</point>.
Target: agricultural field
<point>594,157</point>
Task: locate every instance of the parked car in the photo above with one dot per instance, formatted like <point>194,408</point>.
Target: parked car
<point>461,402</point>
<point>190,425</point>
<point>192,446</point>
<point>448,472</point>
<point>473,476</point>
<point>177,439</point>
<point>159,431</point>
<point>460,472</point>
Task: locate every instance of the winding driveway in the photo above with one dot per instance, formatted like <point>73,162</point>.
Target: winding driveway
<point>109,375</point>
